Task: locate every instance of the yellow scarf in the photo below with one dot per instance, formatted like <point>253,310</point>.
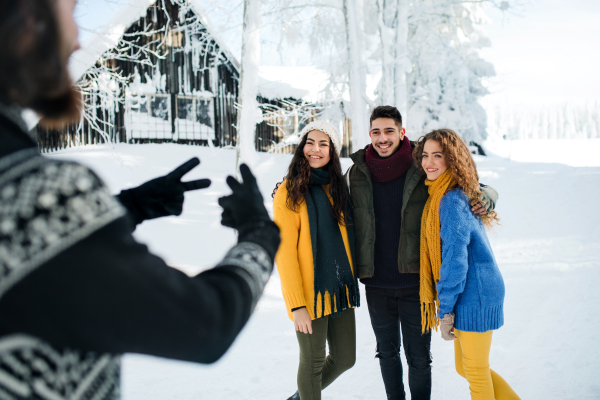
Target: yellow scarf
<point>431,250</point>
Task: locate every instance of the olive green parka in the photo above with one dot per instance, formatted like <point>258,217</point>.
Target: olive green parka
<point>414,197</point>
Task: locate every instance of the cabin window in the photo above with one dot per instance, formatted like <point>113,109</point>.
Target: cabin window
<point>185,108</point>
<point>160,107</point>
<point>195,109</point>
<point>205,112</point>
<point>148,117</point>
<point>195,118</point>
<point>138,104</point>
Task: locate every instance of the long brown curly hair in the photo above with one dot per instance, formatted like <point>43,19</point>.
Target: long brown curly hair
<point>460,163</point>
<point>298,180</point>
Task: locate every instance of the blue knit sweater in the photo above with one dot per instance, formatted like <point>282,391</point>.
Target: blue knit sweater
<point>470,282</point>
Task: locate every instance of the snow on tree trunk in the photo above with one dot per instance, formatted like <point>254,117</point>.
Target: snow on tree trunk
<point>386,36</point>
<point>249,112</point>
<point>357,69</point>
<point>395,64</point>
<point>403,63</point>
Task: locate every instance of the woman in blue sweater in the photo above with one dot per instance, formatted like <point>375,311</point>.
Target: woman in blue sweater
<point>461,286</point>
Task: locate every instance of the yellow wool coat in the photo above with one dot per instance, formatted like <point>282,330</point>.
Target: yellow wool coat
<point>294,258</point>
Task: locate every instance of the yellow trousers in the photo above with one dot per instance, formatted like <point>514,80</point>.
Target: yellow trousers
<point>472,357</point>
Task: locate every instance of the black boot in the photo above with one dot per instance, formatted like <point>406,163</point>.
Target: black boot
<point>295,396</point>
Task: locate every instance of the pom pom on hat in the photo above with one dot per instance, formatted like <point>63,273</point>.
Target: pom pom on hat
<point>326,128</point>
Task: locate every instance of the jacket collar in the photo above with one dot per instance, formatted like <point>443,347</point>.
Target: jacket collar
<point>12,112</point>
<point>13,131</point>
<point>358,157</point>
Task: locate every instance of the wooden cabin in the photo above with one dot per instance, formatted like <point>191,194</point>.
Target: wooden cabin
<point>165,78</point>
<point>159,73</point>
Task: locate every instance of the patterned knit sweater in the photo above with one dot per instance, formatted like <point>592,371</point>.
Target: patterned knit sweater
<point>470,283</point>
<point>77,290</point>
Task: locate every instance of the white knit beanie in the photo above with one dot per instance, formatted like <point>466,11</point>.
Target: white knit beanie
<point>326,128</point>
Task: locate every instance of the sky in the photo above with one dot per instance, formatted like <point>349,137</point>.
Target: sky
<point>544,52</point>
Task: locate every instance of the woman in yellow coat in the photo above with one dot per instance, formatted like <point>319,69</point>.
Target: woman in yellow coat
<point>315,259</point>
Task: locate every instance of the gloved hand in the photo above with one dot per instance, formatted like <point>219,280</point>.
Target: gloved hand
<point>162,196</point>
<point>489,197</point>
<point>245,211</point>
<point>447,327</point>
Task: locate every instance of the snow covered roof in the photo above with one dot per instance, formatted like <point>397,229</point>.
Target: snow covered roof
<point>306,83</point>
<point>108,36</point>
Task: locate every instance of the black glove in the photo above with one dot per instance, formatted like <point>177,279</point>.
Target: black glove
<point>162,196</point>
<point>245,211</point>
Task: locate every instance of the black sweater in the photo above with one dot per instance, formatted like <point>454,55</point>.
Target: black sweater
<point>77,290</point>
<point>387,206</point>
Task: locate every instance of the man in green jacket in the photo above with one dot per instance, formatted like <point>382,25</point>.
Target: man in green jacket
<point>388,194</point>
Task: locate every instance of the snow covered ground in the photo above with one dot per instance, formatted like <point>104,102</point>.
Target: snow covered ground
<point>548,248</point>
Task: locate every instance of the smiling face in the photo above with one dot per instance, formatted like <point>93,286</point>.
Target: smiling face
<point>317,148</point>
<point>386,136</point>
<point>433,162</point>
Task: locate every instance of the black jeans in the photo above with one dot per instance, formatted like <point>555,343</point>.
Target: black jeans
<point>389,310</point>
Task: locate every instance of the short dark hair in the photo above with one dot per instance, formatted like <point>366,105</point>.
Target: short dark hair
<point>386,112</point>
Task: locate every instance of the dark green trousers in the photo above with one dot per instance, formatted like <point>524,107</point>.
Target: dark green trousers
<point>316,370</point>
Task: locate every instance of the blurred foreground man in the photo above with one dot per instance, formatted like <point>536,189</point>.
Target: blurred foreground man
<point>76,289</point>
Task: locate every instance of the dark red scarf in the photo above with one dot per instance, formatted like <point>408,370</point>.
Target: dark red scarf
<point>387,169</point>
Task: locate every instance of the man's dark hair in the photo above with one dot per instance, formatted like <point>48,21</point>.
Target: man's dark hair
<point>33,66</point>
<point>386,112</point>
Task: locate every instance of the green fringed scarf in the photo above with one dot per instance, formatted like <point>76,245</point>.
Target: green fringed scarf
<point>333,273</point>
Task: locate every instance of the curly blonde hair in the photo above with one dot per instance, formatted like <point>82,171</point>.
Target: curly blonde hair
<point>460,163</point>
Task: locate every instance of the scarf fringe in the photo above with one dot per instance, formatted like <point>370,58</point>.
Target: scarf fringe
<point>429,317</point>
<point>345,297</point>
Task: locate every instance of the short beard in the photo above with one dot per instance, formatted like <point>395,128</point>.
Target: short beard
<point>60,111</point>
<point>387,156</point>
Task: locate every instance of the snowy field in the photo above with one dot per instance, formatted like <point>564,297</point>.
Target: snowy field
<point>548,249</point>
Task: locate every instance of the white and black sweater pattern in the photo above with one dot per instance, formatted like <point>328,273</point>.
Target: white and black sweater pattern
<point>47,206</point>
<point>76,289</point>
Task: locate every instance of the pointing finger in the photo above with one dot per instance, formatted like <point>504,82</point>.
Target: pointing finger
<point>195,185</point>
<point>247,176</point>
<point>184,168</point>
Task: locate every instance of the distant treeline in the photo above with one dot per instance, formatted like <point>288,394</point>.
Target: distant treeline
<point>558,121</point>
